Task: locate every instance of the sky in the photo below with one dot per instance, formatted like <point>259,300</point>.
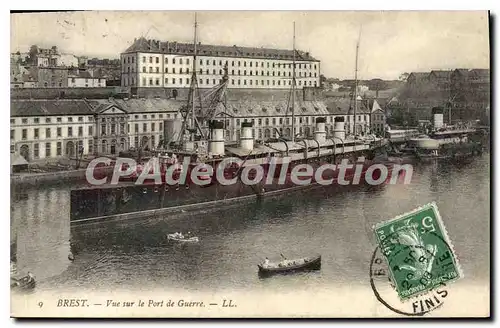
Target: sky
<point>391,42</point>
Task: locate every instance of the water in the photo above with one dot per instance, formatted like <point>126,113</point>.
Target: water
<point>135,255</point>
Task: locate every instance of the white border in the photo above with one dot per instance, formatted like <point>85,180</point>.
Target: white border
<point>210,5</point>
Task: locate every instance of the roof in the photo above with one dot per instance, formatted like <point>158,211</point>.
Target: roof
<point>173,47</point>
<point>441,74</point>
<point>140,105</point>
<point>479,72</point>
<point>250,108</point>
<point>418,75</point>
<point>44,107</point>
<point>82,74</point>
<point>345,106</point>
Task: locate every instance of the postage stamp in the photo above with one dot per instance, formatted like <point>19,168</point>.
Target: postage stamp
<point>418,251</point>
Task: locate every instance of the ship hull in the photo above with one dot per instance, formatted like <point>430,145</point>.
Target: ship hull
<point>132,201</point>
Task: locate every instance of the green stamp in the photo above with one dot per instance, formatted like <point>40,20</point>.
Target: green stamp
<point>418,251</point>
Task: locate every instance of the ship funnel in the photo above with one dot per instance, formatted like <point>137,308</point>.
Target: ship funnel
<point>216,143</point>
<point>339,127</point>
<point>320,133</point>
<point>246,139</point>
<point>437,114</point>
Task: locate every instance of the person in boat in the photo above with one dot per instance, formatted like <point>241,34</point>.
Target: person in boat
<point>266,263</point>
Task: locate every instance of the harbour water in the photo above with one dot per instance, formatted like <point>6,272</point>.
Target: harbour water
<point>135,254</point>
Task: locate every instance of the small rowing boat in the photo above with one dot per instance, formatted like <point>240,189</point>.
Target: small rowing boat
<point>181,238</point>
<point>25,283</point>
<point>287,266</point>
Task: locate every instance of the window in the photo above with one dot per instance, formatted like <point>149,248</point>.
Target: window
<point>47,149</point>
<point>35,133</point>
<point>80,131</point>
<point>173,81</point>
<point>36,120</point>
<point>144,127</point>
<point>157,70</point>
<point>151,70</point>
<point>59,149</point>
<point>150,81</point>
<point>157,60</point>
<point>12,134</point>
<point>152,127</point>
<point>166,80</point>
<point>214,62</point>
<point>237,122</point>
<point>91,131</point>
<point>143,81</point>
<point>143,59</point>
<point>267,121</point>
<point>274,120</point>
<point>187,61</point>
<point>25,121</point>
<point>157,81</point>
<point>70,119</point>
<point>208,81</point>
<point>187,81</point>
<point>150,59</point>
<point>113,128</point>
<point>180,70</point>
<point>36,150</point>
<point>70,131</point>
<point>122,128</point>
<point>47,133</point>
<point>136,127</point>
<point>25,134</point>
<point>173,70</point>
<point>144,69</point>
<point>160,126</point>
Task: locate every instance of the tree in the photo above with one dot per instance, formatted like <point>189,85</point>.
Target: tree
<point>322,80</point>
<point>377,85</point>
<point>403,77</point>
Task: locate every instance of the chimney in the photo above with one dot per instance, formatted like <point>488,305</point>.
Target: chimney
<point>320,133</point>
<point>246,138</point>
<point>216,143</point>
<point>437,114</point>
<point>339,127</point>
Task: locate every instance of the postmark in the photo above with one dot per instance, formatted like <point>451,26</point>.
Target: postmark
<point>418,252</point>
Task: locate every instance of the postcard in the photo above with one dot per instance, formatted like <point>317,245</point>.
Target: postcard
<point>250,164</point>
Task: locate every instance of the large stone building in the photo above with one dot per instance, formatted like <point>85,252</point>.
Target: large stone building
<point>152,63</point>
<point>49,129</point>
<point>48,68</point>
<point>45,130</point>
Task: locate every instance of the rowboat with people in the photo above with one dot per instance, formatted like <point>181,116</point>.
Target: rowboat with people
<point>179,237</point>
<point>287,266</point>
<point>25,283</point>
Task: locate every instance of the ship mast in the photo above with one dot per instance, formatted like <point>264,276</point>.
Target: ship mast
<point>356,84</point>
<point>293,87</point>
<point>193,121</point>
<point>189,121</point>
